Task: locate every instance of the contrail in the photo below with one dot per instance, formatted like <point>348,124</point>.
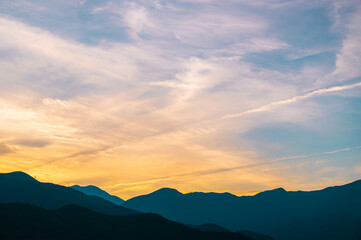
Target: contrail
<point>272,105</point>
<point>219,170</point>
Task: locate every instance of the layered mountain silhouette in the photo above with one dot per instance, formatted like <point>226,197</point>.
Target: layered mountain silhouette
<point>58,212</point>
<point>22,188</point>
<point>331,213</point>
<point>95,191</point>
<point>24,221</point>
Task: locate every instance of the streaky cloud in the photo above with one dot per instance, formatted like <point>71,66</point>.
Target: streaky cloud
<point>219,170</point>
<point>273,105</point>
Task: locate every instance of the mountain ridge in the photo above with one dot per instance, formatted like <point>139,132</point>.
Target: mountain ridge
<point>20,187</point>
<point>330,213</point>
<point>268,212</point>
<point>96,191</point>
<point>18,175</point>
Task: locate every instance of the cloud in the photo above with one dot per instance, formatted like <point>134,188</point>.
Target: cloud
<point>4,149</point>
<point>137,20</point>
<point>273,105</point>
<point>51,61</point>
<point>348,60</point>
<point>31,142</point>
<point>201,29</point>
<point>208,30</point>
<point>221,170</point>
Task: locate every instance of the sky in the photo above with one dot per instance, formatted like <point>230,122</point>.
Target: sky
<point>198,95</point>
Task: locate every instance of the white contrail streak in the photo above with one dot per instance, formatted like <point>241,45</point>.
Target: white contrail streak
<point>272,105</point>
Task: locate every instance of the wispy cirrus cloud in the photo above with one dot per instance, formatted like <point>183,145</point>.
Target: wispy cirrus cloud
<point>62,62</point>
<point>348,59</point>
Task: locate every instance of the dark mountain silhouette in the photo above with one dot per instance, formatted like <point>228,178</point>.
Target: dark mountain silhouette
<point>95,191</point>
<point>20,187</point>
<point>18,176</point>
<point>331,213</point>
<point>255,236</point>
<point>24,221</point>
<point>210,227</point>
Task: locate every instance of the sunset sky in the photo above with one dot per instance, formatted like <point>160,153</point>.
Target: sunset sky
<point>197,95</point>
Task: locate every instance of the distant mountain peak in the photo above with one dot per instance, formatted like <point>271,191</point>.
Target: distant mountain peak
<point>96,191</point>
<point>19,175</point>
<point>167,191</point>
<point>273,192</point>
<point>278,190</point>
<point>217,194</point>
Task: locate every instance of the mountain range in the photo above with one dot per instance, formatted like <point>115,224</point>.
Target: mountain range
<point>27,204</point>
<point>331,213</point>
<point>30,209</point>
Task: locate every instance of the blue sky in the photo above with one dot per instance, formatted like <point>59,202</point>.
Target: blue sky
<point>192,94</point>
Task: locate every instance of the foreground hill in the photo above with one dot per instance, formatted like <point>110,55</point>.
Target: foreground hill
<point>95,191</point>
<point>23,221</point>
<point>331,213</point>
<point>20,187</point>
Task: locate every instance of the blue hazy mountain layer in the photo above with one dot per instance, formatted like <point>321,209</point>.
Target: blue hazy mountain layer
<point>331,213</point>
<point>95,191</point>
